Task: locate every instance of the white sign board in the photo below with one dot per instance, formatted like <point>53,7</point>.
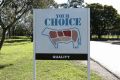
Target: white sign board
<point>61,34</point>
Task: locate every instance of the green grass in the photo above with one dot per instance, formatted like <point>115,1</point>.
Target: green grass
<point>107,36</point>
<point>16,63</point>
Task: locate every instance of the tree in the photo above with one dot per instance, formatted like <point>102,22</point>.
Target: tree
<point>102,18</point>
<point>116,28</point>
<point>76,3</point>
<point>43,3</point>
<point>96,20</point>
<point>73,4</point>
<point>11,11</point>
<point>110,15</point>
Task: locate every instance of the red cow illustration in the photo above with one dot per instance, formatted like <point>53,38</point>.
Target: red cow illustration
<point>63,36</point>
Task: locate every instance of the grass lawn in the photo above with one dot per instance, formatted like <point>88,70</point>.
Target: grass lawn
<point>16,63</point>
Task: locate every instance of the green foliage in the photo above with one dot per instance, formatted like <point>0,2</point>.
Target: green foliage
<point>72,4</point>
<point>11,12</point>
<point>103,19</point>
<point>42,3</point>
<point>16,63</point>
<point>76,3</point>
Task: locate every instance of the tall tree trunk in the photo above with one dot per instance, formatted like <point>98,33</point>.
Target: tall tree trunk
<point>9,33</point>
<point>2,38</point>
<point>13,31</point>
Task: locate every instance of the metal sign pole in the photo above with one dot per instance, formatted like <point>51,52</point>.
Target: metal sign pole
<point>34,68</point>
<point>34,48</point>
<point>88,62</point>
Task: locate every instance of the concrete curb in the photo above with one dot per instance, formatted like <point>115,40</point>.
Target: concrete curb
<point>115,75</point>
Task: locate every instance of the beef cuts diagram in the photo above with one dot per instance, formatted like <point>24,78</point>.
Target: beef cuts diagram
<point>66,36</point>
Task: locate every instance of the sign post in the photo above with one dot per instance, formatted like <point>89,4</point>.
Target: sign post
<point>62,34</point>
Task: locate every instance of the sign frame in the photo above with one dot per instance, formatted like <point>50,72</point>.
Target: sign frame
<point>73,56</point>
<point>47,52</point>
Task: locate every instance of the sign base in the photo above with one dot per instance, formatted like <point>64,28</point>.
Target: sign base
<point>60,56</point>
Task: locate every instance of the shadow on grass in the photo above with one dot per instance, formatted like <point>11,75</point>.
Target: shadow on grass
<point>18,40</point>
<point>21,43</point>
<point>13,42</point>
<point>5,65</point>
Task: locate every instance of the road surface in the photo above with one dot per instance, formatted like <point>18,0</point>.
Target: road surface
<point>106,54</point>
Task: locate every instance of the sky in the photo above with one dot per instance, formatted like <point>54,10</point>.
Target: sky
<point>114,3</point>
